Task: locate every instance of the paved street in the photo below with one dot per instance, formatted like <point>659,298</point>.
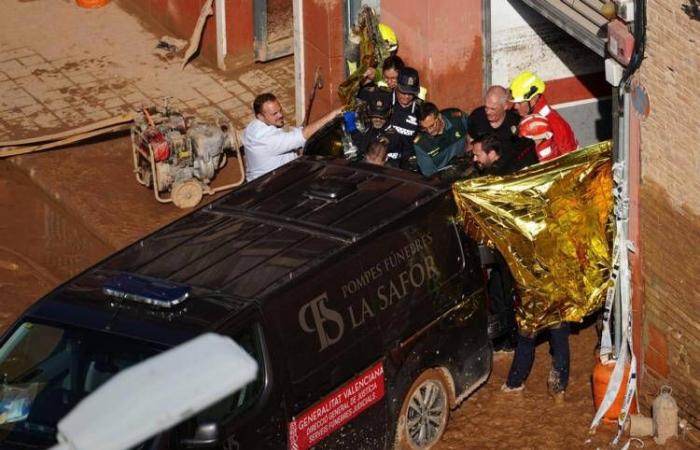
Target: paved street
<point>94,64</point>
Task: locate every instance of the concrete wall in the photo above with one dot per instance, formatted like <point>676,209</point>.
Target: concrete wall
<point>442,39</point>
<point>323,48</point>
<point>522,39</point>
<point>670,207</point>
<point>179,17</point>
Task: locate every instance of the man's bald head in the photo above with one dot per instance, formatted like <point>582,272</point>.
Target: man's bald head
<point>497,93</point>
<point>495,104</point>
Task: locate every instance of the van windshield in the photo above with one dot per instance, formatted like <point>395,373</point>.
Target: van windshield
<point>45,370</point>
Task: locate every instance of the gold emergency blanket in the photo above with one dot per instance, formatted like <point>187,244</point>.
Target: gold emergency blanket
<point>553,224</point>
<point>372,52</point>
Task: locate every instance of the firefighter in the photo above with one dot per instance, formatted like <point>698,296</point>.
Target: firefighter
<point>387,34</point>
<point>527,95</point>
<point>537,129</point>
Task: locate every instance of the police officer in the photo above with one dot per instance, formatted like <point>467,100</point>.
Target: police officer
<point>405,103</point>
<point>441,138</point>
<point>379,112</point>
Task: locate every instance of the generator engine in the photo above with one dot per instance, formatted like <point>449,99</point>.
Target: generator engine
<point>180,155</point>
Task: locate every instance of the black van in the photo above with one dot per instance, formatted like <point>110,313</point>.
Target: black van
<point>351,285</point>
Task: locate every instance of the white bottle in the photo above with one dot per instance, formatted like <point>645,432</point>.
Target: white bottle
<point>665,414</point>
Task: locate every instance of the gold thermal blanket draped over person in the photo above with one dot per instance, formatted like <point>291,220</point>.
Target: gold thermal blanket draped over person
<point>553,223</point>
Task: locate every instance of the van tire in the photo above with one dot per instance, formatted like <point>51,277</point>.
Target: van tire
<point>424,412</point>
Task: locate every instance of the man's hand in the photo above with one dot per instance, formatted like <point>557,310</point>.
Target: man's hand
<point>313,127</point>
<point>368,76</point>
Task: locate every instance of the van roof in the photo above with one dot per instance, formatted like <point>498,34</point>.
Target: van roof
<point>254,240</point>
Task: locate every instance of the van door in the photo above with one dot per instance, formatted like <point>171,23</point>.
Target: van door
<point>253,417</point>
<point>334,353</point>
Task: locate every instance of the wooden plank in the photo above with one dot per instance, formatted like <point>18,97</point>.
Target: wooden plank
<point>221,49</point>
<point>197,33</point>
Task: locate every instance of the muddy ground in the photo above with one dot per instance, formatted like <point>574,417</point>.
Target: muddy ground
<point>279,20</point>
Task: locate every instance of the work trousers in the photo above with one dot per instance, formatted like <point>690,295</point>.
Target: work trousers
<point>525,356</point>
<point>501,291</point>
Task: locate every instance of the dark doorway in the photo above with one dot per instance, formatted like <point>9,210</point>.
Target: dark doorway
<point>274,29</point>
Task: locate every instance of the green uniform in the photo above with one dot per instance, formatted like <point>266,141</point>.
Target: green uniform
<point>435,152</point>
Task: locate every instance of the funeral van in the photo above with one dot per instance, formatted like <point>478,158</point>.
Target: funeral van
<point>350,284</point>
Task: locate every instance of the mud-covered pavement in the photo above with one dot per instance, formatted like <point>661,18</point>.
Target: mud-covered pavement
<point>64,211</point>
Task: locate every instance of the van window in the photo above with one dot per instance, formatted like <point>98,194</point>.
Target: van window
<point>251,340</point>
<point>45,370</point>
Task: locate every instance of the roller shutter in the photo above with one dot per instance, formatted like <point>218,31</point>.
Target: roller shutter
<point>579,18</point>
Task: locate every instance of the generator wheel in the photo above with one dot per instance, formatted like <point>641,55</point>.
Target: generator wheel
<point>186,194</point>
<point>424,412</point>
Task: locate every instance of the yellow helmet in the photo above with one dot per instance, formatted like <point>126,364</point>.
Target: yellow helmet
<point>388,35</point>
<point>525,86</point>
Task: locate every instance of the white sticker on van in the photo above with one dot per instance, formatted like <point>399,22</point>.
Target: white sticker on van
<point>339,408</point>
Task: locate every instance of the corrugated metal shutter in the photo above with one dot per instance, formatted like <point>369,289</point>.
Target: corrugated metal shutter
<point>579,18</point>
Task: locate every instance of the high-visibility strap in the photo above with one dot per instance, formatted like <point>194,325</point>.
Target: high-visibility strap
<point>622,287</point>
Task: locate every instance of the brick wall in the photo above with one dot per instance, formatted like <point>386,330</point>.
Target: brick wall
<point>670,207</point>
<point>442,40</point>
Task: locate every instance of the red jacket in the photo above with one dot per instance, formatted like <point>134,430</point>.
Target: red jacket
<point>564,140</point>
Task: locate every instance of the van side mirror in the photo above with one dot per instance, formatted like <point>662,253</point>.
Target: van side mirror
<point>205,436</point>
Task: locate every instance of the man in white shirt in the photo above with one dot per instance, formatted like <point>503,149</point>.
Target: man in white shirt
<point>267,144</point>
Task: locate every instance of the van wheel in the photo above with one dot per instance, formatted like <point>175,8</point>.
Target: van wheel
<point>424,412</point>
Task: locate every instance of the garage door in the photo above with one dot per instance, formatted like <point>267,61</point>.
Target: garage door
<point>579,18</point>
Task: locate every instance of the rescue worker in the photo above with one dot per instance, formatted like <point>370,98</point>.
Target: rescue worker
<point>387,34</point>
<point>537,129</point>
<point>488,157</point>
<point>497,117</point>
<point>441,138</point>
<point>405,103</point>
<point>390,72</point>
<point>267,144</point>
<point>527,95</point>
<point>389,80</point>
<point>488,151</point>
<point>379,111</point>
<point>558,379</point>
